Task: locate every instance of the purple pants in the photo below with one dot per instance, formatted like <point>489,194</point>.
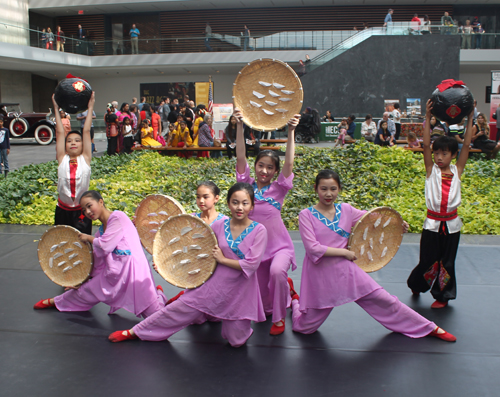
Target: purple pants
<point>275,292</point>
<point>379,304</point>
<point>177,316</point>
<point>83,299</point>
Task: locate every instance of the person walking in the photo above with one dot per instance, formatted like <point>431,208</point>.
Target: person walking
<point>134,39</point>
<point>246,38</point>
<point>388,20</point>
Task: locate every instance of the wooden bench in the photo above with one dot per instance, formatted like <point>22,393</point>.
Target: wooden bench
<point>419,149</point>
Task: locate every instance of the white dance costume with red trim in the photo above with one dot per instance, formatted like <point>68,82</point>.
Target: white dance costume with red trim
<point>73,181</point>
<point>442,197</point>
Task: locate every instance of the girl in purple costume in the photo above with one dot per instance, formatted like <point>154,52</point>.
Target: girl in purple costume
<point>269,196</point>
<point>231,294</point>
<point>121,276</point>
<point>330,278</point>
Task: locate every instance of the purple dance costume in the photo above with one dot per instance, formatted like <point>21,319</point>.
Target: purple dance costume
<point>230,295</point>
<point>121,276</point>
<point>332,281</point>
<point>280,254</point>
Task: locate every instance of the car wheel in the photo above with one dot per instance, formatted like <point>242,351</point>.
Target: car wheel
<point>299,138</point>
<point>18,127</point>
<point>44,134</point>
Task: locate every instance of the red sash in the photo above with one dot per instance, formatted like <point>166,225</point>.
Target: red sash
<point>442,216</point>
<point>68,208</point>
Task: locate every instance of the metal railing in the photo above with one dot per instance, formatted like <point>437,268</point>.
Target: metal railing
<point>468,41</point>
<point>335,41</point>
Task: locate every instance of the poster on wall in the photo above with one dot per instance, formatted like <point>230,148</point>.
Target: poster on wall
<point>495,102</point>
<point>222,112</point>
<point>201,96</point>
<point>155,91</point>
<point>413,107</point>
<point>389,104</point>
<point>495,82</point>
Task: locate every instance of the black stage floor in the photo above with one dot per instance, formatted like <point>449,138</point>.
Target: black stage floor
<point>47,353</point>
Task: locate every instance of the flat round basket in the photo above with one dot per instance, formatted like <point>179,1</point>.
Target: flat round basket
<point>268,93</point>
<point>376,238</point>
<point>64,258</point>
<point>182,251</point>
<point>151,213</point>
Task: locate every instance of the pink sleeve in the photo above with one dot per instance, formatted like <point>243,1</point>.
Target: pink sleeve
<point>285,183</point>
<point>314,250</point>
<point>356,215</point>
<point>245,177</point>
<point>106,243</point>
<point>253,256</point>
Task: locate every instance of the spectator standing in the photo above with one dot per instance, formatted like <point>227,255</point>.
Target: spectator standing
<point>301,71</point>
<point>155,123</point>
<point>208,35</point>
<point>140,105</point>
<point>50,39</point>
<point>396,117</point>
<point>165,113</point>
<point>60,39</point>
<point>447,22</point>
<point>426,25</point>
<point>112,130</point>
<point>135,120</point>
<point>476,113</point>
<point>368,128</point>
<point>4,148</point>
<point>205,135</point>
<point>391,127</point>
<point>134,39</point>
<point>66,122</point>
<point>82,37</point>
<point>478,31</point>
<point>388,19</point>
<point>466,42</point>
<point>415,24</point>
<point>246,38</point>
<point>43,38</point>
<point>82,116</point>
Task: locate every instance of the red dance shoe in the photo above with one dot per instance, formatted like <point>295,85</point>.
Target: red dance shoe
<point>159,288</point>
<point>118,336</point>
<point>439,305</point>
<point>293,293</point>
<point>40,305</point>
<point>446,336</point>
<point>277,329</point>
<point>174,298</point>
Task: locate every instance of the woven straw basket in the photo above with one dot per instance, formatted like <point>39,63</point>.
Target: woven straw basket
<point>62,259</point>
<point>177,248</point>
<point>151,213</point>
<point>272,81</point>
<point>368,242</point>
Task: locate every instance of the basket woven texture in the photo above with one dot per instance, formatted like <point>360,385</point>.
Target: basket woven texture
<point>151,213</point>
<point>177,248</point>
<point>379,230</point>
<point>252,82</point>
<point>62,259</point>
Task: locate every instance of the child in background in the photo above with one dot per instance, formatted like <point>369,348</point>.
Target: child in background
<point>147,135</point>
<point>412,141</point>
<point>184,138</point>
<point>384,137</point>
<point>66,122</point>
<point>173,136</point>
<point>128,135</point>
<point>341,138</point>
<point>4,147</point>
<point>441,234</point>
<point>231,294</point>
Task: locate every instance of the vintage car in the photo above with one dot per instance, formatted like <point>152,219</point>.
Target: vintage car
<point>28,125</point>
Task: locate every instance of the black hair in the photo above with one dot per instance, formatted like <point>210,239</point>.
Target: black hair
<point>368,117</point>
<point>352,117</point>
<point>123,106</point>
<point>396,105</point>
<point>212,186</point>
<point>240,186</point>
<point>327,174</point>
<point>93,194</point>
<point>71,133</point>
<point>126,118</point>
<point>446,143</point>
<point>274,156</point>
